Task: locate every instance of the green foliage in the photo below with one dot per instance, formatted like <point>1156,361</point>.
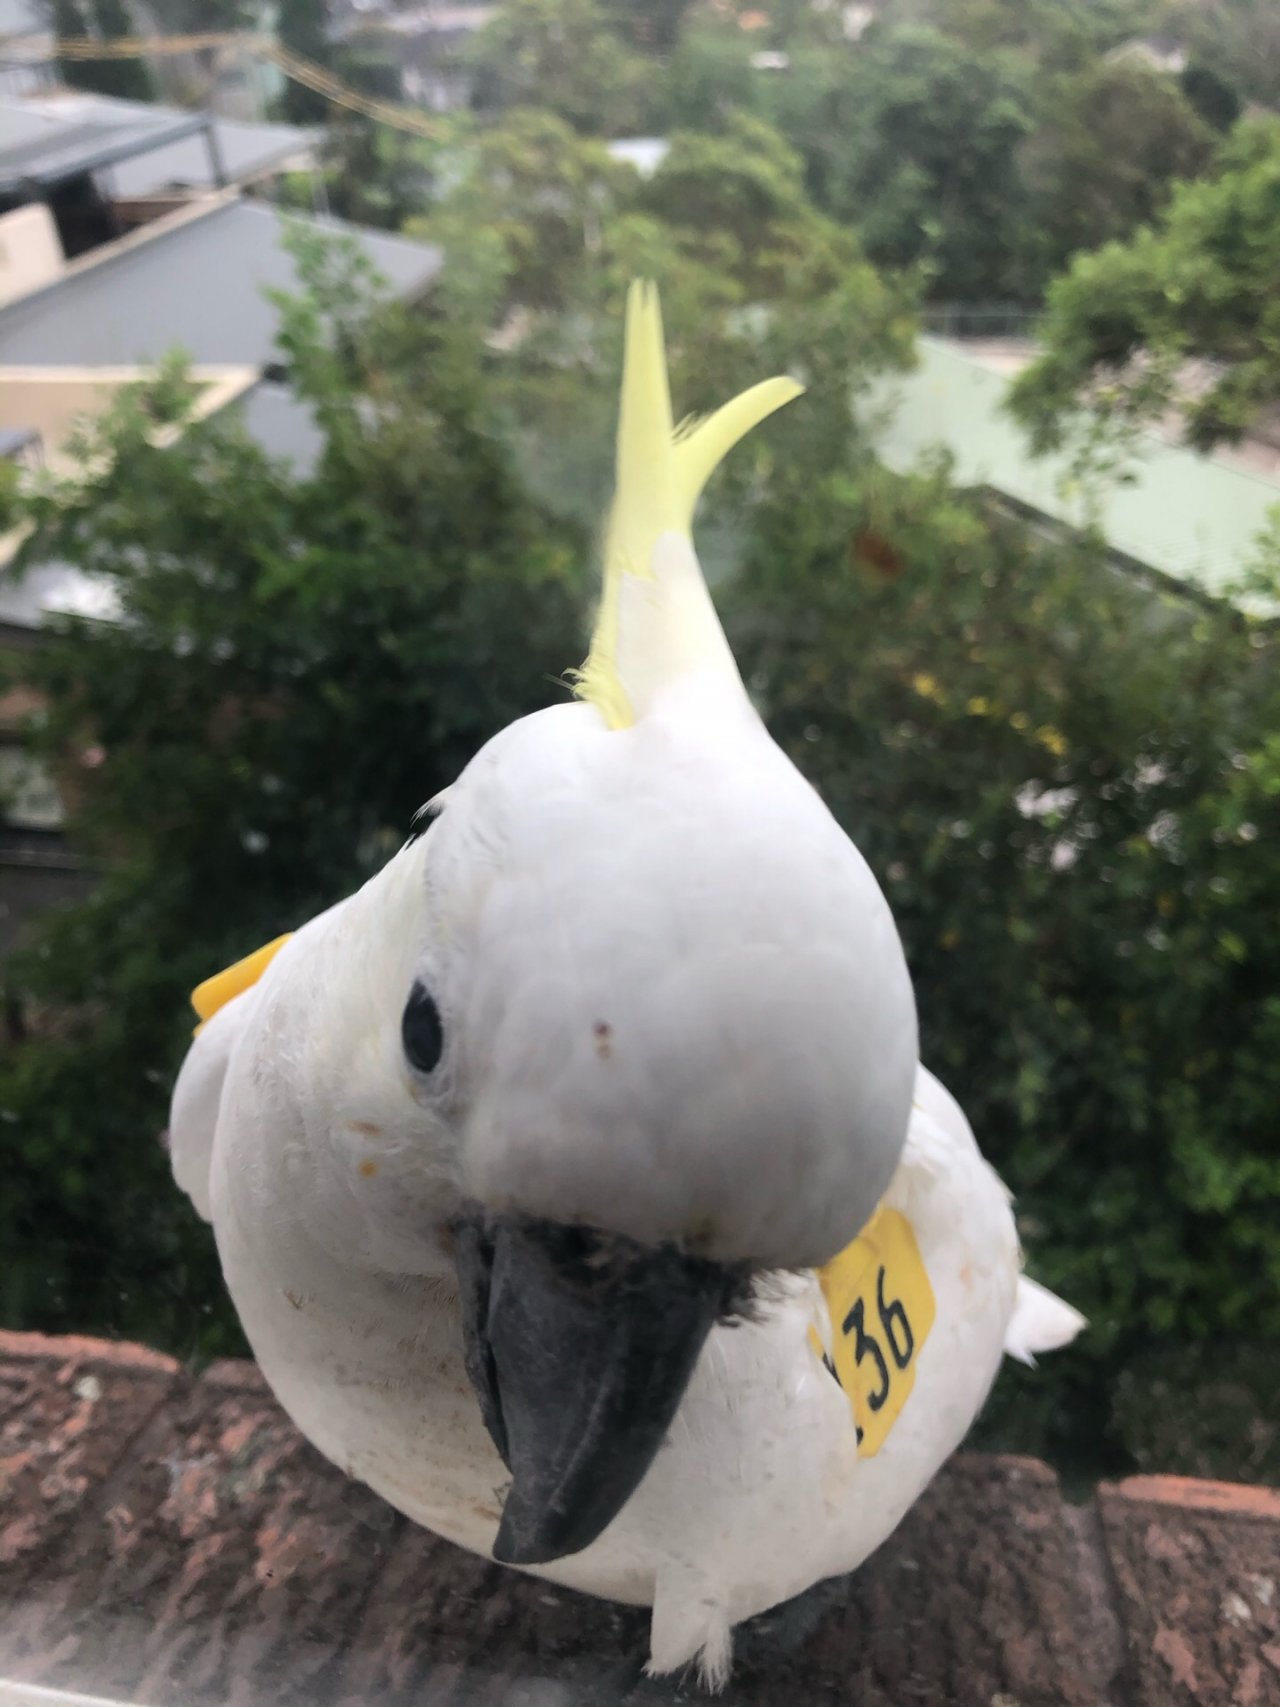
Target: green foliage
<point>554,225</point>
<point>564,56</point>
<point>374,175</point>
<point>298,665</point>
<point>979,142</point>
<point>737,203</point>
<point>923,138</point>
<point>107,19</point>
<point>1123,322</point>
<point>543,231</point>
<point>302,28</point>
<point>525,214</point>
<point>984,148</point>
<point>708,77</point>
<point>654,25</point>
<point>1111,141</point>
<point>1239,39</point>
<point>1216,100</point>
<point>1071,791</point>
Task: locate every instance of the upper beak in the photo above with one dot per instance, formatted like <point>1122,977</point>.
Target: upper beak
<point>579,1346</point>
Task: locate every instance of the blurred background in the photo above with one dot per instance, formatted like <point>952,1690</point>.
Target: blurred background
<point>310,321</point>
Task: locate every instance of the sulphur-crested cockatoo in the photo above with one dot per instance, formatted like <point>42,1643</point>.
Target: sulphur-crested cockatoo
<point>575,1180</point>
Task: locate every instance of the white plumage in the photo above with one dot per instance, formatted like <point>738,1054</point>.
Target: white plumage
<point>673,1008</point>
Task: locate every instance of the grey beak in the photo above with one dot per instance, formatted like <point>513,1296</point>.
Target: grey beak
<point>579,1346</point>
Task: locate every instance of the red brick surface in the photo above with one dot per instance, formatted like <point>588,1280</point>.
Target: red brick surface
<point>69,1411</point>
<point>1197,1570</point>
<point>226,1562</point>
<point>166,1540</point>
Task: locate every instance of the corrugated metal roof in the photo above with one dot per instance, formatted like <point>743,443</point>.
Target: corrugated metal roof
<point>38,149</point>
<point>1192,518</point>
<point>283,425</point>
<point>199,287</point>
<point>247,151</point>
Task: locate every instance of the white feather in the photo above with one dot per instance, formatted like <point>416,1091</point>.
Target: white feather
<point>1041,1321</point>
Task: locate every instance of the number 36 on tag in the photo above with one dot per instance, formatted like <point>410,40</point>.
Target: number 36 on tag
<point>882,1308</point>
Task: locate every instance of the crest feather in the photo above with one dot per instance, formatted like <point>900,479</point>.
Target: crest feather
<point>656,619</point>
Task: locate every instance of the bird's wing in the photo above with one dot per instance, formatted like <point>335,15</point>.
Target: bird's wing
<point>223,1004</point>
<point>193,1111</point>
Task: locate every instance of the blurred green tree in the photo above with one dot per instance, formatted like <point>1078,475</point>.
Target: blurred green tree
<point>709,76</point>
<point>918,150</point>
<point>1070,788</point>
<point>298,663</point>
<point>302,27</point>
<point>108,20</point>
<point>654,25</point>
<point>542,232</point>
<point>1111,141</point>
<point>1216,100</point>
<point>1124,323</point>
<point>565,56</point>
<point>373,175</point>
<point>1239,39</point>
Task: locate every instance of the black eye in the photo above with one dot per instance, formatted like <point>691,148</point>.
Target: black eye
<point>421,1030</point>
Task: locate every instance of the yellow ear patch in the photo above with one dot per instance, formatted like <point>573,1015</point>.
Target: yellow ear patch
<point>217,991</point>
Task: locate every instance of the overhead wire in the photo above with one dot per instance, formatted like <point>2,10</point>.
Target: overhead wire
<point>293,66</point>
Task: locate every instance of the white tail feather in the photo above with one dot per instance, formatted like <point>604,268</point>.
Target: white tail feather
<point>1041,1321</point>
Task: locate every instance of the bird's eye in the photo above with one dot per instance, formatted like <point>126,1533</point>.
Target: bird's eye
<point>421,1030</point>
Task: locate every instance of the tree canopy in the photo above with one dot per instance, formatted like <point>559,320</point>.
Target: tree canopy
<point>1125,324</point>
<point>1065,783</point>
<point>299,662</point>
<point>562,55</point>
<point>106,19</point>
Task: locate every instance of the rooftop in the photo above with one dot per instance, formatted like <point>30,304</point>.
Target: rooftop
<point>1190,518</point>
<point>171,1539</point>
<point>197,283</point>
<point>162,154</point>
<point>38,150</point>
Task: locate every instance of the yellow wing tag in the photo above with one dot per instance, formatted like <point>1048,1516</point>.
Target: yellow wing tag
<point>882,1308</point>
<point>217,991</point>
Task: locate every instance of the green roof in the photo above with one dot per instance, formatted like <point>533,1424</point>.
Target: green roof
<point>1194,519</point>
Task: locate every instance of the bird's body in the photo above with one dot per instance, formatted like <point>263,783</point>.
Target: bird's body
<point>639,1251</point>
<point>760,1489</point>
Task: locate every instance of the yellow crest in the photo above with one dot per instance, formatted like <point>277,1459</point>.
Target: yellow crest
<point>661,471</point>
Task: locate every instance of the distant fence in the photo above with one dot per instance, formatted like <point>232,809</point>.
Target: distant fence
<point>980,320</point>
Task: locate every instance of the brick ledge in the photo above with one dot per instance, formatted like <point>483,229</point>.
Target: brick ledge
<point>170,1539</point>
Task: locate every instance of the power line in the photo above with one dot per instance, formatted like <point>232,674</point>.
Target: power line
<point>292,65</point>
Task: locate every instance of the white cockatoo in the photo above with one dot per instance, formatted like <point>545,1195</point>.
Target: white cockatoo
<point>576,1181</point>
